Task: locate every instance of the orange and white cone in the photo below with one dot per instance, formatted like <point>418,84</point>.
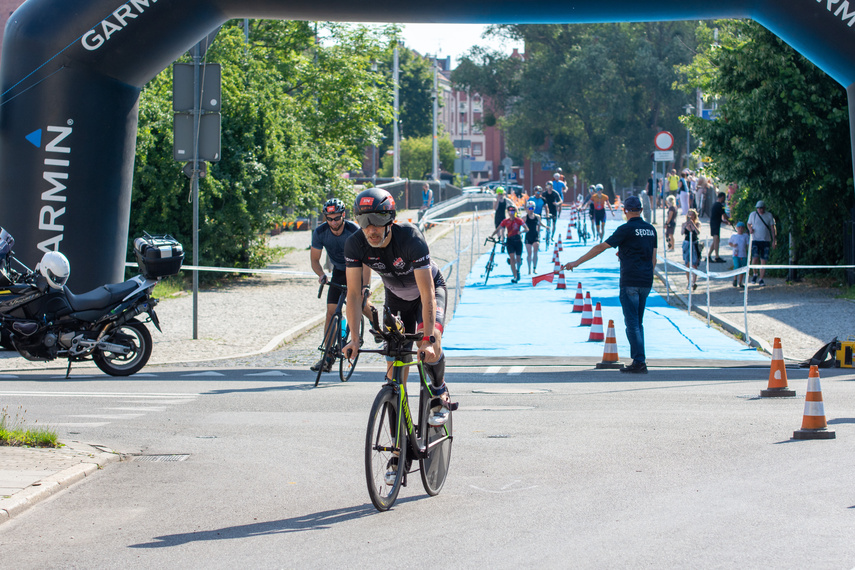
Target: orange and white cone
<point>587,312</point>
<point>814,425</point>
<point>777,375</point>
<point>610,354</point>
<point>579,302</point>
<point>559,246</point>
<point>596,334</point>
<point>569,232</point>
<point>561,283</point>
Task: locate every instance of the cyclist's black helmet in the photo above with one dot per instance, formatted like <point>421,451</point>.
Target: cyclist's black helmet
<point>374,207</point>
<point>333,206</point>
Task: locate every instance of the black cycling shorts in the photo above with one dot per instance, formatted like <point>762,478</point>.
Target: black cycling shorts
<point>600,216</point>
<point>333,293</point>
<point>532,237</point>
<point>514,245</point>
<point>411,311</point>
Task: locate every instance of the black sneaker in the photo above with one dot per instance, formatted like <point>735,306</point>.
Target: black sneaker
<point>635,368</point>
<point>761,283</point>
<point>754,278</point>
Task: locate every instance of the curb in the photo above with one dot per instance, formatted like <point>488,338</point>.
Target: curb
<point>44,488</point>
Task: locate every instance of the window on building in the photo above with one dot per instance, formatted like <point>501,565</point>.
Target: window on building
<point>477,149</point>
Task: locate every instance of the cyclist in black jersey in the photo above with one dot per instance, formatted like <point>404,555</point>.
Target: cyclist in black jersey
<point>415,288</point>
<point>533,224</point>
<point>332,235</point>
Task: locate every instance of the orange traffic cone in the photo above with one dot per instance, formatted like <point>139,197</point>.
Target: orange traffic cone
<point>570,231</point>
<point>579,302</point>
<point>777,375</point>
<point>587,312</point>
<point>559,246</point>
<point>596,334</point>
<point>610,354</point>
<point>814,425</point>
<point>561,283</point>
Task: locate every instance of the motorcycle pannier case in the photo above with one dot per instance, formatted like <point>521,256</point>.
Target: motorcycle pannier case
<point>158,256</point>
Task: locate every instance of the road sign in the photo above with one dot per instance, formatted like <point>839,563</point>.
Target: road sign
<point>663,156</point>
<point>182,87</point>
<point>209,137</point>
<point>663,141</point>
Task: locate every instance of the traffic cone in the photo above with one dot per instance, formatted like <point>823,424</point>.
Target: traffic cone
<point>579,302</point>
<point>777,375</point>
<point>559,246</point>
<point>561,284</point>
<point>556,263</point>
<point>610,354</point>
<point>587,312</point>
<point>814,425</point>
<point>596,334</point>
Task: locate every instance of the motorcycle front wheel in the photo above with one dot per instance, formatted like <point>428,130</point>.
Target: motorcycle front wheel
<point>136,337</point>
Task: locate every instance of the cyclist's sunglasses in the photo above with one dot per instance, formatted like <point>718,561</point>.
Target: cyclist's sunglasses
<point>531,208</point>
<point>334,219</point>
<point>378,219</point>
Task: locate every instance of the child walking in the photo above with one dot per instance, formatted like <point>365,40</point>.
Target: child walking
<point>739,243</point>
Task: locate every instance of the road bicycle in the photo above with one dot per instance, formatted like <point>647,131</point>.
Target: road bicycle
<point>582,227</point>
<point>335,338</point>
<point>491,263</point>
<point>391,431</point>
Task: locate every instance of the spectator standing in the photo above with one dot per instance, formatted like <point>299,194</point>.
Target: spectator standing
<point>691,247</point>
<point>427,196</point>
<point>683,185</point>
<point>739,243</point>
<point>648,201</point>
<point>673,183</point>
<point>761,224</point>
<point>717,216</point>
<point>670,221</point>
<point>636,243</point>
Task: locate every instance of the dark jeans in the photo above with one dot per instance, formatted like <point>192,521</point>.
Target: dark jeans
<point>632,301</point>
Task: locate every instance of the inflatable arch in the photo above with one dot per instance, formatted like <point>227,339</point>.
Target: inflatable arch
<point>72,72</point>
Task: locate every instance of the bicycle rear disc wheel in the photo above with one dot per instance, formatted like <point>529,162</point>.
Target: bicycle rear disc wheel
<point>345,364</point>
<point>328,350</point>
<point>383,442</point>
<point>434,466</point>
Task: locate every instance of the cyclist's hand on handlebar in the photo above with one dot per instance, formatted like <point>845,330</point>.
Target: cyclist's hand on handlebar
<point>350,350</point>
<point>322,279</point>
<point>427,350</point>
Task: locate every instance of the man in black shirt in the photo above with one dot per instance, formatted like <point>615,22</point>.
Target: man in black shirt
<point>415,288</point>
<point>636,243</point>
<point>553,202</point>
<point>717,216</point>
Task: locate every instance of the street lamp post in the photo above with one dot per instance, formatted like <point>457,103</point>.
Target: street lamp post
<point>689,109</point>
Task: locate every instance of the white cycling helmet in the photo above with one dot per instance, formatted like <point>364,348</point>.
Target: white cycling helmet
<point>55,268</point>
<point>599,186</point>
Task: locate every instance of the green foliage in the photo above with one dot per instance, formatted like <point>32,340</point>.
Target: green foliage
<point>591,97</point>
<point>295,115</point>
<point>417,157</point>
<point>415,106</point>
<point>782,134</point>
<point>13,432</point>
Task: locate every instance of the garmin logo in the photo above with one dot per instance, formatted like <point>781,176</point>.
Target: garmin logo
<point>98,36</point>
<point>56,163</point>
<point>840,8</point>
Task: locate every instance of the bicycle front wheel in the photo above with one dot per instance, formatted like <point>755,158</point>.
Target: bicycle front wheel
<point>437,443</point>
<point>345,364</point>
<point>383,441</point>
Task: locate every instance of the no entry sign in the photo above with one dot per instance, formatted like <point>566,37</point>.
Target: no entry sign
<point>663,141</point>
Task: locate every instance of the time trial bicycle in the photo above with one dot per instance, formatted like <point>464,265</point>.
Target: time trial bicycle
<point>393,441</point>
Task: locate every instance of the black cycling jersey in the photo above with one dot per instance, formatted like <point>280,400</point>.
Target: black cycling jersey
<point>551,199</point>
<point>396,262</point>
<point>323,237</point>
<point>533,228</point>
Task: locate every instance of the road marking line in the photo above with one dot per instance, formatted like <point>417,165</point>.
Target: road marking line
<point>516,369</point>
<point>81,425</point>
<point>209,373</point>
<point>269,373</point>
<point>492,370</point>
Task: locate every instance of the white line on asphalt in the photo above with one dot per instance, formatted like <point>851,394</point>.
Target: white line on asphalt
<point>209,373</point>
<point>492,370</point>
<point>516,369</point>
<point>269,373</point>
<point>81,425</point>
<point>107,417</point>
<point>147,409</point>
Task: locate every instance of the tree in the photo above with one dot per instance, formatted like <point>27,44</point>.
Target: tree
<point>295,115</point>
<point>417,157</point>
<point>415,106</point>
<point>782,133</point>
<point>590,96</point>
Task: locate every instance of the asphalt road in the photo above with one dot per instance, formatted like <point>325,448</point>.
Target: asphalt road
<point>551,467</point>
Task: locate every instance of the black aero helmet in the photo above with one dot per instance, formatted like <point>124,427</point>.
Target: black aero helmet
<point>374,207</point>
<point>333,206</point>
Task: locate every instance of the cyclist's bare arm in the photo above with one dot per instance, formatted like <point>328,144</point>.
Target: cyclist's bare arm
<point>366,283</point>
<point>315,255</point>
<point>354,307</point>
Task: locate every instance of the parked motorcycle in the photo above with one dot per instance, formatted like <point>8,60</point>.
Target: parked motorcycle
<point>44,320</point>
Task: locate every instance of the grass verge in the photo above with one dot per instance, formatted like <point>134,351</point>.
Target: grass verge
<point>14,433</point>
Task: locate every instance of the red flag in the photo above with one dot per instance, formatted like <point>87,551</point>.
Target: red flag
<point>538,278</point>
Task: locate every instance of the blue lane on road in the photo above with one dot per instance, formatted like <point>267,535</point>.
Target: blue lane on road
<point>504,319</point>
